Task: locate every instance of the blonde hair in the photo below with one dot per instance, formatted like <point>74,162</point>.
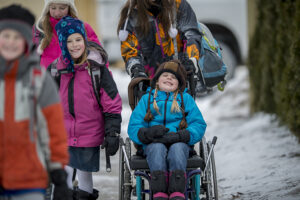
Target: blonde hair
<point>47,28</point>
<point>154,101</point>
<point>175,107</point>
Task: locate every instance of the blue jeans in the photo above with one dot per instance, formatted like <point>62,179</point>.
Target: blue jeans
<point>159,157</point>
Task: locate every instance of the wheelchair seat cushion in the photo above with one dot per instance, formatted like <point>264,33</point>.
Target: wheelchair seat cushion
<point>140,163</point>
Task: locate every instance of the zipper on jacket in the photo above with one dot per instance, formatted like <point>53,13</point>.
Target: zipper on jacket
<point>166,108</point>
<point>71,97</point>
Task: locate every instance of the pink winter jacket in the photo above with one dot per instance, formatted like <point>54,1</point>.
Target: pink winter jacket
<point>52,51</point>
<point>85,122</point>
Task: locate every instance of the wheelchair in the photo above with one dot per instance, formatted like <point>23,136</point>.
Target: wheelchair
<point>134,173</point>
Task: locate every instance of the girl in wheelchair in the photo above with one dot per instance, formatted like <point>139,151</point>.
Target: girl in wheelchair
<point>167,122</point>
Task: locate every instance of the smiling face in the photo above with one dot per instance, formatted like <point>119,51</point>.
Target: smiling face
<point>12,44</point>
<point>58,10</point>
<point>76,45</point>
<point>167,82</point>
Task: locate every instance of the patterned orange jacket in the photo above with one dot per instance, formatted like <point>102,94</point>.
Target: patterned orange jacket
<point>32,133</point>
<point>157,46</point>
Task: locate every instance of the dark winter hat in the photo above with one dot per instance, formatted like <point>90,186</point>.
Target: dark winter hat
<point>18,18</point>
<point>174,67</point>
<point>64,28</point>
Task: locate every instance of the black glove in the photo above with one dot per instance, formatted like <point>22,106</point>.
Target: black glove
<point>187,63</point>
<point>172,137</point>
<point>61,190</point>
<point>111,143</point>
<point>138,70</point>
<point>147,135</point>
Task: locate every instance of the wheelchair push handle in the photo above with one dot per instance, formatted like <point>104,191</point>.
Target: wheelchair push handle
<point>214,140</point>
<point>213,143</point>
<point>122,143</point>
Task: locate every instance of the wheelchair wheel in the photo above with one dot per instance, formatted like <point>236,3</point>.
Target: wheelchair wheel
<point>206,180</point>
<point>213,172</point>
<point>124,173</point>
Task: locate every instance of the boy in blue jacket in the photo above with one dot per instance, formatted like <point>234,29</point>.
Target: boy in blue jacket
<point>167,122</point>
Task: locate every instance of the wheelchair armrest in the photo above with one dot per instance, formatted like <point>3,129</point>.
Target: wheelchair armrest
<point>138,163</point>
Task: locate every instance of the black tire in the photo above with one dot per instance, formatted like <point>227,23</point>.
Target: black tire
<point>213,172</point>
<point>121,173</point>
<point>127,175</point>
<point>124,173</point>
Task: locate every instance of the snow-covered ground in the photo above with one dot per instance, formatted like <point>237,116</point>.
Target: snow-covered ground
<point>255,157</point>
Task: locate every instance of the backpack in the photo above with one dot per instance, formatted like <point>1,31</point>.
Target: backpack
<point>212,69</point>
<point>94,72</point>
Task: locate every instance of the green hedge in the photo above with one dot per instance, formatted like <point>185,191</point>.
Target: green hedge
<point>274,61</point>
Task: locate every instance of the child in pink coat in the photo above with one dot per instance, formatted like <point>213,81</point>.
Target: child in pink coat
<point>90,119</point>
<point>45,36</point>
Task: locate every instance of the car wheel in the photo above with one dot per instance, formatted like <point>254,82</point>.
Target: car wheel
<point>229,59</point>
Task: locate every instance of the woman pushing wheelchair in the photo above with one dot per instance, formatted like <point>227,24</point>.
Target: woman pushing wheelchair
<point>167,122</point>
<point>155,31</point>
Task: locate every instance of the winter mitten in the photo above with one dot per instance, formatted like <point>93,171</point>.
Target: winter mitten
<point>148,135</point>
<point>61,190</point>
<point>172,137</point>
<point>111,143</point>
<point>187,62</point>
<point>138,70</point>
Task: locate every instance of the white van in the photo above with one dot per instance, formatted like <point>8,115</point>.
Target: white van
<point>227,20</point>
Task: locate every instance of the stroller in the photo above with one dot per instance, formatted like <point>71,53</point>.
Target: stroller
<point>134,173</point>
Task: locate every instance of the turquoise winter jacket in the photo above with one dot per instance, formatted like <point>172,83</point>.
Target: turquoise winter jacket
<point>195,121</point>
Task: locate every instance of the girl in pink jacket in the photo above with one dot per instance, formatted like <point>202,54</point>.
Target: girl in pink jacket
<point>90,119</point>
<point>44,34</point>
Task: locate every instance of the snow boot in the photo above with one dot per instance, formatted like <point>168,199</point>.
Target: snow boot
<point>83,195</point>
<point>74,194</point>
<point>158,184</point>
<point>177,184</point>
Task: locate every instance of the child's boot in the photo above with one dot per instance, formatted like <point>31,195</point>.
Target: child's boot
<point>83,195</point>
<point>74,194</point>
<point>177,184</point>
<point>158,184</point>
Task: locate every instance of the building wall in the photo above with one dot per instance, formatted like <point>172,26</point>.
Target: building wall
<point>86,9</point>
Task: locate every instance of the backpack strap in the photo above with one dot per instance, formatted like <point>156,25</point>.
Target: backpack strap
<point>95,73</point>
<point>52,69</point>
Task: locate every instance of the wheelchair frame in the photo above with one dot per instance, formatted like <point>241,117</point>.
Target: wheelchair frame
<point>200,184</point>
<point>134,173</point>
